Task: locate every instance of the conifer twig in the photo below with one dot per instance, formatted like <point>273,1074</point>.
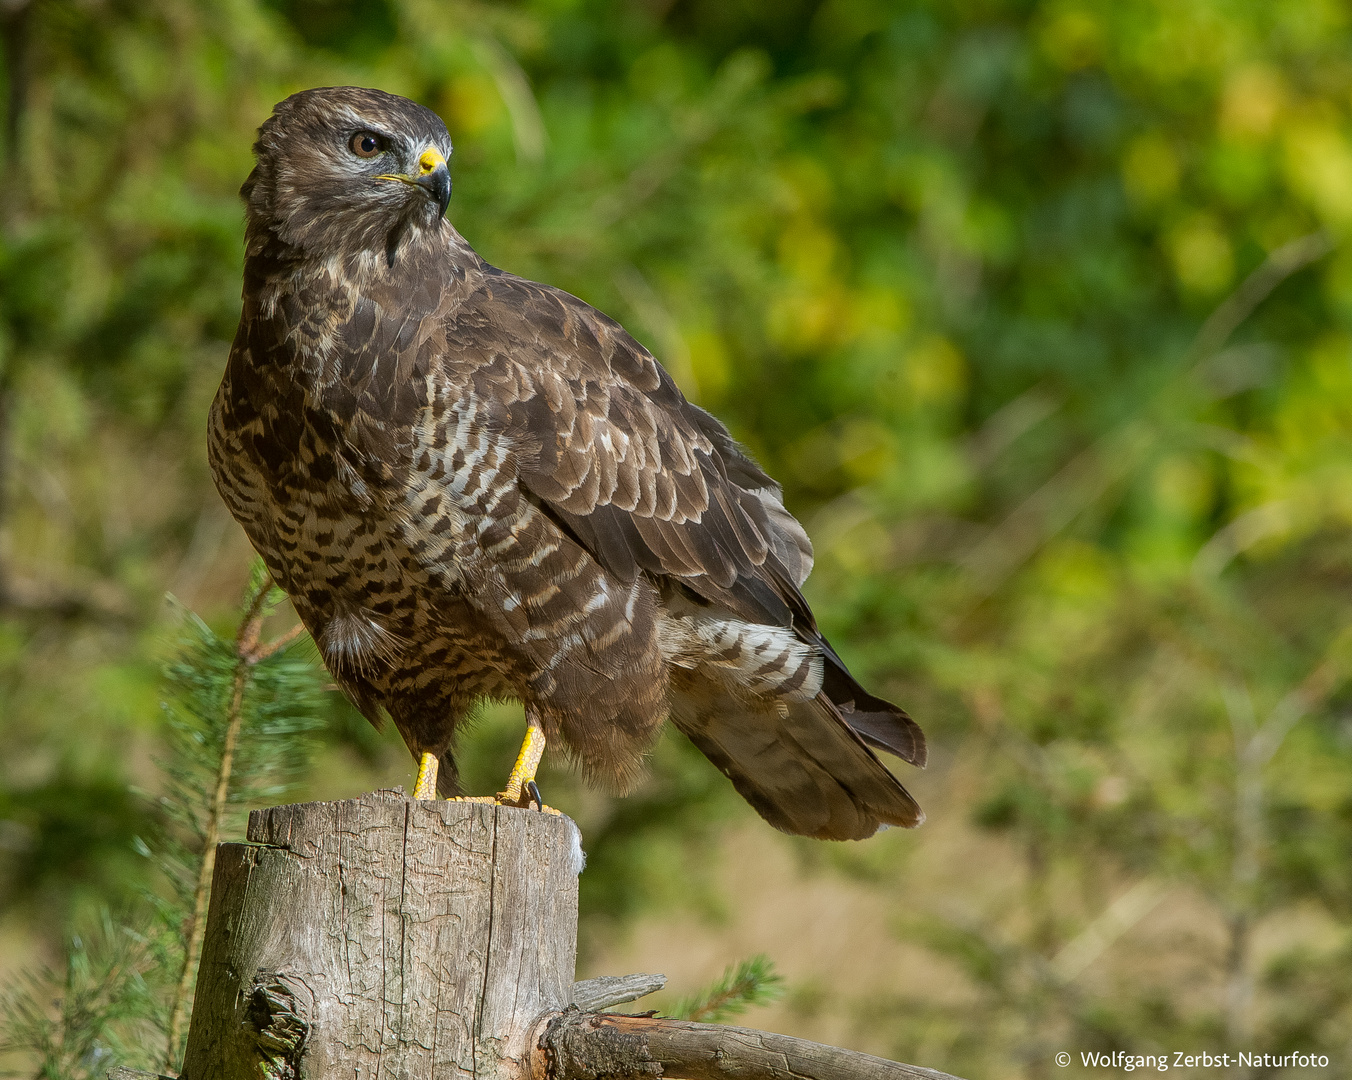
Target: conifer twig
<point>72,1016</point>
<point>752,982</point>
<point>248,652</point>
<point>259,653</point>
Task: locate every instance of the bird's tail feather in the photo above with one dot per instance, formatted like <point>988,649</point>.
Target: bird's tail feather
<point>883,725</point>
<point>806,772</point>
<point>888,729</point>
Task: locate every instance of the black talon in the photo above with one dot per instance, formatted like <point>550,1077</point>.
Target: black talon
<point>535,795</point>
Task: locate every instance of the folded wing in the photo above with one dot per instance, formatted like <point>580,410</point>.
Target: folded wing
<point>650,484</point>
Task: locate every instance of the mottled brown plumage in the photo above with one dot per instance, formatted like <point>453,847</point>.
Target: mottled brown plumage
<point>473,485</point>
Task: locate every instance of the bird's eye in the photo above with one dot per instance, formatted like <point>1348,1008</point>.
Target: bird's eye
<point>367,144</point>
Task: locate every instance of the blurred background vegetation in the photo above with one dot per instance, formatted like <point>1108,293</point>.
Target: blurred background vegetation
<point>1042,312</point>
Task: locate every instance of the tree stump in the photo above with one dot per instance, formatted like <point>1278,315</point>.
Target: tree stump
<point>385,937</point>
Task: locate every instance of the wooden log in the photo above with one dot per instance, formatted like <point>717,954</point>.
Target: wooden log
<point>575,1045</point>
<point>385,937</point>
<point>593,995</point>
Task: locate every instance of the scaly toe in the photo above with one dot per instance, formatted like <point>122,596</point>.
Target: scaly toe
<point>503,798</point>
<point>529,797</point>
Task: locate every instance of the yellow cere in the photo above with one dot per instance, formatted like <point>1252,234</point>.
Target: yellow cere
<point>429,160</point>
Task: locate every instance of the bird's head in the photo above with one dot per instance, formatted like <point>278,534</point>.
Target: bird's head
<point>343,170</point>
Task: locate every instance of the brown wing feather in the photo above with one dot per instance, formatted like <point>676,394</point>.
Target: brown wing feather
<point>648,482</point>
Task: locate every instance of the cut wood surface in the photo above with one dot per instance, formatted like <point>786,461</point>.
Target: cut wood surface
<point>580,1046</point>
<point>385,937</point>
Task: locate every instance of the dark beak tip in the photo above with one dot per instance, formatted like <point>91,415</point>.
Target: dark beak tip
<point>437,184</point>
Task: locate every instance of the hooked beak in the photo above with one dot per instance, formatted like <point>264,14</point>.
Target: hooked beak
<point>433,177</point>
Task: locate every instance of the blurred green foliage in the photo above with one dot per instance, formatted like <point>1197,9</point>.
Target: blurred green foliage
<point>236,719</point>
<point>1042,312</point>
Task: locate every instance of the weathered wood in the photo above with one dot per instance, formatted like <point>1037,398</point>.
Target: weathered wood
<point>576,1045</point>
<point>384,937</point>
<point>593,995</point>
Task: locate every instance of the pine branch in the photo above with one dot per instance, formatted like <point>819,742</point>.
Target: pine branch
<point>235,711</point>
<point>247,654</point>
<point>752,982</point>
<point>75,1020</point>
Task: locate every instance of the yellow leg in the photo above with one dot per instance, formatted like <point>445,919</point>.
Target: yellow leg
<point>527,762</point>
<point>521,789</point>
<point>425,787</point>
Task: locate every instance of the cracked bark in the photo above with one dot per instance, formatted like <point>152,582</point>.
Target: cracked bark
<point>358,939</point>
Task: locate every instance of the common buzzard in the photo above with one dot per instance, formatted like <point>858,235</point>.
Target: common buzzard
<point>475,486</point>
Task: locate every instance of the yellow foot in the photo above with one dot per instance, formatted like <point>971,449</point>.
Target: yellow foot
<point>520,790</point>
<point>504,798</point>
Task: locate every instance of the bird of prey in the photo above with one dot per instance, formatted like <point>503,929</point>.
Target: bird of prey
<point>475,486</point>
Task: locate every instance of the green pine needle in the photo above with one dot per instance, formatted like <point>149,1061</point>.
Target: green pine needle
<point>752,982</point>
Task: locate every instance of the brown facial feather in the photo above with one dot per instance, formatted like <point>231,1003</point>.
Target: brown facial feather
<point>474,485</point>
